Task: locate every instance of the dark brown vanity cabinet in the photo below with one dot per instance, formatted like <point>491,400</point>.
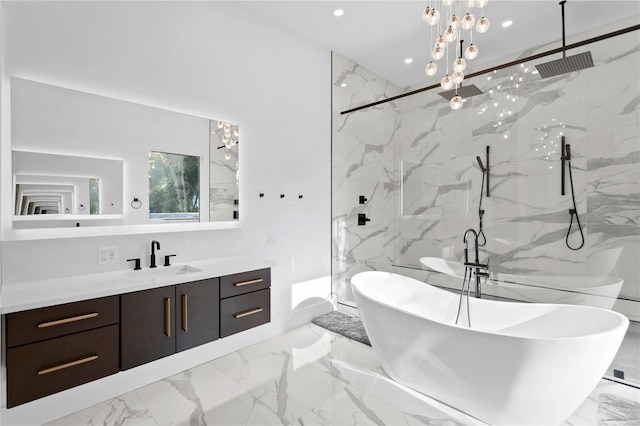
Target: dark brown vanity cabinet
<point>56,348</point>
<point>147,326</point>
<point>162,321</point>
<point>197,316</point>
<point>245,301</point>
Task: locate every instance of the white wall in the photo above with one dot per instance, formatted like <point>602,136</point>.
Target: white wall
<point>209,59</point>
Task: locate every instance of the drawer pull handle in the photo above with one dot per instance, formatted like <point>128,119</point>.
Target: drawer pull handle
<point>67,320</point>
<point>185,313</point>
<point>167,316</point>
<point>67,365</point>
<point>259,280</point>
<point>247,313</point>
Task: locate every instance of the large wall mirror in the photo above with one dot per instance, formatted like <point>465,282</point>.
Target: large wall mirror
<point>80,159</point>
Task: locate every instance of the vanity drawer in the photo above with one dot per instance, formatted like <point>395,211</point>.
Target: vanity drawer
<point>245,311</point>
<point>47,367</point>
<point>54,321</point>
<point>233,285</point>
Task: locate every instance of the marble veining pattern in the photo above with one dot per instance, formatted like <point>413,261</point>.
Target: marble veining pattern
<point>426,162</point>
<point>309,376</point>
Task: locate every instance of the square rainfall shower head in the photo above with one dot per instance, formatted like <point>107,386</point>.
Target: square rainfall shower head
<point>565,65</point>
<point>464,91</point>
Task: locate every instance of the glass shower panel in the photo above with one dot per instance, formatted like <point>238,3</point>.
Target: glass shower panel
<point>364,176</point>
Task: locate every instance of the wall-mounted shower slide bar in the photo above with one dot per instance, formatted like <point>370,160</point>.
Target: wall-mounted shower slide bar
<point>563,160</point>
<point>487,171</point>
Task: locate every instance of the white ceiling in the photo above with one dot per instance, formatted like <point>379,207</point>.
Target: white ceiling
<point>379,35</point>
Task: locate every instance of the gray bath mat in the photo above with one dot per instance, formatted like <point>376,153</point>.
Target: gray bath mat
<point>343,324</point>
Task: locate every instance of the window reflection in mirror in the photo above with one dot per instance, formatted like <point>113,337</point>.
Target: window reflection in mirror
<point>174,187</point>
<point>223,171</point>
<point>94,196</point>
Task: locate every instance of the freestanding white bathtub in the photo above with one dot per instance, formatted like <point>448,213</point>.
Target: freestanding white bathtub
<point>519,363</point>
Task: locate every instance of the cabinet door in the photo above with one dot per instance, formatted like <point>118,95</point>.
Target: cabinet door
<point>147,326</point>
<point>197,319</point>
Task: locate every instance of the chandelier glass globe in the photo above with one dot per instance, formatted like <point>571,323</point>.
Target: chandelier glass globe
<point>227,154</point>
<point>472,3</point>
<point>459,64</point>
<point>425,14</point>
<point>446,83</point>
<point>471,52</point>
<point>456,102</point>
<point>437,53</point>
<point>457,77</point>
<point>482,25</point>
<point>448,2</point>
<point>450,34</point>
<point>431,69</point>
<point>433,17</point>
<point>441,42</point>
<point>468,21</point>
<point>454,22</point>
<point>482,3</point>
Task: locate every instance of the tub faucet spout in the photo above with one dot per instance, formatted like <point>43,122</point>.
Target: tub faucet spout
<point>480,269</point>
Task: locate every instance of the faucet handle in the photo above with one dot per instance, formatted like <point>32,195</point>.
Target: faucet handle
<point>136,266</point>
<point>167,259</point>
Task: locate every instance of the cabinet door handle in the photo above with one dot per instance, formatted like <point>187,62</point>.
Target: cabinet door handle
<point>185,312</point>
<point>67,365</point>
<point>67,320</point>
<point>167,316</point>
<point>259,280</point>
<point>247,313</point>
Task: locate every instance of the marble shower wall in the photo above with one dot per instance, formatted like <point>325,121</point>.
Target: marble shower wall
<point>363,163</point>
<point>431,179</point>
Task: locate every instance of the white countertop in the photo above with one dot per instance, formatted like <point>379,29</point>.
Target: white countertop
<point>37,294</point>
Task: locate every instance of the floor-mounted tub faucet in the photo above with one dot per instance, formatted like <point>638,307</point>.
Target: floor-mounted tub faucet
<point>154,245</point>
<point>480,269</point>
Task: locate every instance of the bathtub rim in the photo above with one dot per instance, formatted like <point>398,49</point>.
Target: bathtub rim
<point>623,320</point>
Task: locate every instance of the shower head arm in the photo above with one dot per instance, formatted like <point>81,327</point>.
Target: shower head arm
<point>564,41</point>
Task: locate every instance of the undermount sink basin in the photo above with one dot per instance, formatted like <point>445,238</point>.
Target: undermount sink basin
<point>161,272</point>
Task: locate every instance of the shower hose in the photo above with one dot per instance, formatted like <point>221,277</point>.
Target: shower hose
<point>573,212</point>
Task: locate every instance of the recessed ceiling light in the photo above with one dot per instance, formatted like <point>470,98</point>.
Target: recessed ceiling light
<point>507,23</point>
<point>338,12</point>
<point>343,84</point>
<point>408,60</point>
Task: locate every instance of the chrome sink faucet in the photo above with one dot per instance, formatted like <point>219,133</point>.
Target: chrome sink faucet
<point>154,245</point>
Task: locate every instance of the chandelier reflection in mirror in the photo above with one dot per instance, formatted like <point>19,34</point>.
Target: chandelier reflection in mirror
<point>450,18</point>
<point>229,137</point>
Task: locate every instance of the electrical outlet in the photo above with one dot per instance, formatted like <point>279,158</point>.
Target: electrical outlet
<point>107,255</point>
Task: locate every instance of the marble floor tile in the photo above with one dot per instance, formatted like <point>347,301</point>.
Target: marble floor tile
<point>126,409</point>
<point>315,377</point>
<point>312,343</point>
<point>610,403</point>
<point>351,406</point>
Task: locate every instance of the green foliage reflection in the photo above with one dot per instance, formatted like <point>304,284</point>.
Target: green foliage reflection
<point>174,185</point>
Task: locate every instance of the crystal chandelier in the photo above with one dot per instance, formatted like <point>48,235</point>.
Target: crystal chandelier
<point>446,16</point>
<point>229,137</point>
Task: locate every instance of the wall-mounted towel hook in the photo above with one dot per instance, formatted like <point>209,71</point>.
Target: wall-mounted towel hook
<point>281,195</point>
<point>299,197</point>
<point>261,195</point>
<point>362,199</point>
